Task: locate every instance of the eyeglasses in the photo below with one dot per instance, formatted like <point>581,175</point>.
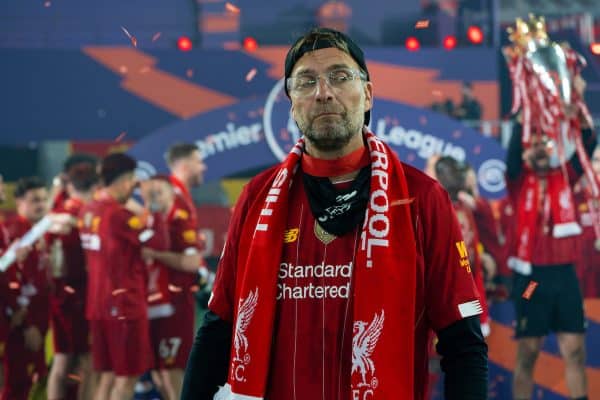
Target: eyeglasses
<point>306,84</point>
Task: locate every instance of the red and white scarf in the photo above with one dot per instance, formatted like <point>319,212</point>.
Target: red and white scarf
<point>556,204</point>
<point>384,284</point>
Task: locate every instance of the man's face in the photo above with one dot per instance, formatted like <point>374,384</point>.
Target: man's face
<point>471,182</point>
<point>540,154</point>
<point>125,185</point>
<point>33,205</point>
<point>467,92</point>
<point>158,194</point>
<point>450,177</point>
<point>195,167</point>
<point>330,116</point>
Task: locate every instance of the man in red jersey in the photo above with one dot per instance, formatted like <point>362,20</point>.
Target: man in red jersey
<point>452,175</point>
<point>70,371</point>
<point>588,210</point>
<point>7,302</point>
<point>24,361</point>
<point>187,171</point>
<point>4,290</point>
<point>172,335</point>
<point>58,191</point>
<point>545,288</point>
<point>488,227</point>
<point>112,237</point>
<point>339,261</point>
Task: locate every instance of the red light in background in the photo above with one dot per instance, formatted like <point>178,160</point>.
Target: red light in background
<point>595,48</point>
<point>449,42</point>
<point>250,44</point>
<point>475,34</point>
<point>184,43</point>
<point>412,44</point>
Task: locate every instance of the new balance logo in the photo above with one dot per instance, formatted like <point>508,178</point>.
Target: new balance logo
<point>290,235</point>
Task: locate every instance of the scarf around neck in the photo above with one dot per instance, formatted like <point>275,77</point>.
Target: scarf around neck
<point>384,284</point>
<point>554,202</point>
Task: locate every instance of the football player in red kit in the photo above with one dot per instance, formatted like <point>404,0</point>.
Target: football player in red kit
<point>7,302</point>
<point>172,335</point>
<point>112,237</point>
<point>58,192</point>
<point>488,227</point>
<point>24,361</point>
<point>452,175</point>
<point>588,264</point>
<point>4,290</point>
<point>187,171</point>
<point>339,261</point>
<point>546,245</point>
<point>71,361</point>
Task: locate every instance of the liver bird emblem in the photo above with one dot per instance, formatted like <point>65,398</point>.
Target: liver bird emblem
<point>245,314</point>
<point>363,344</point>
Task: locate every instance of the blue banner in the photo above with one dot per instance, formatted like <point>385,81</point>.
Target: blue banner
<point>259,133</point>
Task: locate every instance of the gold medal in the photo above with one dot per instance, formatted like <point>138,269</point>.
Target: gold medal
<point>323,235</point>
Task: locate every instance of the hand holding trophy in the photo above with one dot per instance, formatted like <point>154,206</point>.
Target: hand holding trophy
<point>547,87</point>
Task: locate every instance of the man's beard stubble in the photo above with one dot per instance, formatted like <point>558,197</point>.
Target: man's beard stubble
<point>331,137</point>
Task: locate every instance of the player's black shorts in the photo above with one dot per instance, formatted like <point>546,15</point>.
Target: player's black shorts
<point>555,305</point>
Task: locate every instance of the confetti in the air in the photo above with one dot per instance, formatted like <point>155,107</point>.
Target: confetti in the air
<point>130,36</point>
<point>174,289</point>
<point>231,8</point>
<point>189,73</point>
<point>156,36</point>
<point>120,137</point>
<point>74,377</point>
<point>422,24</point>
<point>251,74</point>
<point>47,4</point>
<point>401,202</point>
<point>117,292</point>
<point>69,289</point>
<point>154,297</point>
<point>126,32</point>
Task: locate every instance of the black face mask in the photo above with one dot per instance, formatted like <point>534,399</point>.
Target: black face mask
<point>338,211</point>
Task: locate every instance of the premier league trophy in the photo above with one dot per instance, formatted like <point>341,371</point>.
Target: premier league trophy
<point>545,77</point>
